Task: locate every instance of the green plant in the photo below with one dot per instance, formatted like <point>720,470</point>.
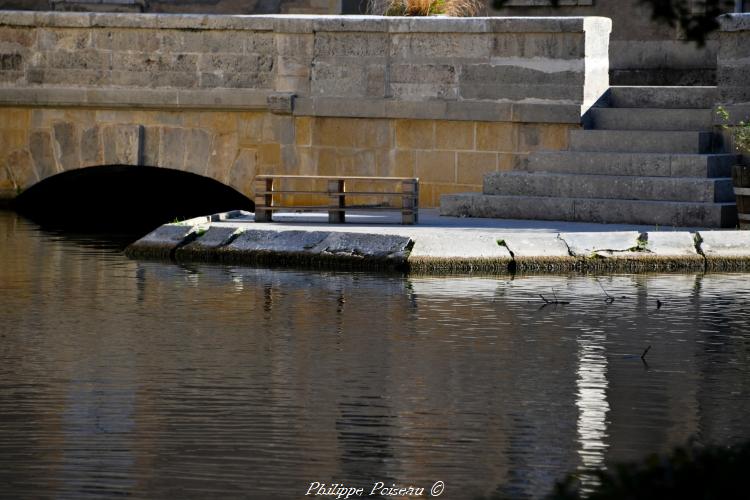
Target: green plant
<point>740,132</point>
<point>641,244</point>
<point>453,8</point>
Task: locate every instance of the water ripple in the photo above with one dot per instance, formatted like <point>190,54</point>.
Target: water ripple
<point>155,380</point>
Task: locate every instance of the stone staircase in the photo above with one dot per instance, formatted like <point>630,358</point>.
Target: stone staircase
<point>647,155</point>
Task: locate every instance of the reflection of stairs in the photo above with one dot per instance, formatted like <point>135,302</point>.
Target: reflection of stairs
<point>650,157</point>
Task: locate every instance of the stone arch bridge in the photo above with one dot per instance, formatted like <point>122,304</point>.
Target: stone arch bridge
<point>229,97</point>
<point>49,141</point>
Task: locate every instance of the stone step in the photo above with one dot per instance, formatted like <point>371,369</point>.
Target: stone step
<point>619,187</point>
<point>650,119</point>
<point>646,164</point>
<point>662,97</point>
<point>640,141</point>
<point>661,213</point>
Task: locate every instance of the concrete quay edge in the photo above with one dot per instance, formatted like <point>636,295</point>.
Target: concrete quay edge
<point>235,238</point>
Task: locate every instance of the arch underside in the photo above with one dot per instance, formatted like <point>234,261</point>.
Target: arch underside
<point>125,198</point>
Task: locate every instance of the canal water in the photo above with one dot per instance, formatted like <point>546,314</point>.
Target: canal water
<point>160,380</point>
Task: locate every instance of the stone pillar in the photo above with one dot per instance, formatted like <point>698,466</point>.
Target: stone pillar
<point>596,59</point>
<point>733,64</point>
<point>733,68</point>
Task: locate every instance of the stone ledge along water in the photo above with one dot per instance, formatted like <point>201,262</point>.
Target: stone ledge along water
<point>235,238</point>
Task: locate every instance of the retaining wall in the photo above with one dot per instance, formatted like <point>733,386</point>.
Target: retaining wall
<point>733,60</point>
<point>443,99</point>
<point>733,69</point>
<point>642,51</point>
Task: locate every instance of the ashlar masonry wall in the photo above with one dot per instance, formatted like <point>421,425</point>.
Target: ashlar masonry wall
<point>642,51</point>
<point>733,61</point>
<point>229,97</point>
<point>733,71</point>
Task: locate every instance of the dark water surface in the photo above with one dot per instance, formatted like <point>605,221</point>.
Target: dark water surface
<point>155,380</point>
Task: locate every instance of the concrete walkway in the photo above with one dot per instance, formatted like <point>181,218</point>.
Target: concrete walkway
<point>430,219</point>
<point>444,244</point>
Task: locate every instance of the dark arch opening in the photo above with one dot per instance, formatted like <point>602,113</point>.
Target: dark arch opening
<point>120,199</point>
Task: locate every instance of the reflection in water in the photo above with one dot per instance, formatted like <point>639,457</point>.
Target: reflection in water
<point>592,403</point>
<point>98,411</point>
<point>150,379</point>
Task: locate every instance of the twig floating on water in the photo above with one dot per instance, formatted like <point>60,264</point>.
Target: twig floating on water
<point>609,298</point>
<point>643,356</point>
<point>547,301</point>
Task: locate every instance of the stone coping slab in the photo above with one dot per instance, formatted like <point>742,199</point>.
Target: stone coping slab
<point>676,243</point>
<point>305,23</point>
<point>522,245</point>
<point>435,253</point>
<point>537,252</point>
<point>214,99</point>
<point>236,238</point>
<point>735,22</point>
<point>215,237</point>
<point>723,244</point>
<point>251,99</point>
<point>601,244</point>
<point>163,241</point>
<point>725,250</point>
<point>490,111</point>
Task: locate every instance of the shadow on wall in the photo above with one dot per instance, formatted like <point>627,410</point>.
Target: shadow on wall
<point>124,199</point>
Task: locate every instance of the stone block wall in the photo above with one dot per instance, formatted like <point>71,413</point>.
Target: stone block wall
<point>733,70</point>
<point>642,51</point>
<point>446,100</point>
<point>233,146</point>
<point>733,61</point>
<point>538,62</point>
<point>115,57</point>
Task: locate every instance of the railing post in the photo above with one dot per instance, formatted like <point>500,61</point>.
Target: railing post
<point>263,199</point>
<point>337,201</point>
<point>410,201</point>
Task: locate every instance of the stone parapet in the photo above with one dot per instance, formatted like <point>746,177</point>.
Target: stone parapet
<point>733,60</point>
<point>487,69</point>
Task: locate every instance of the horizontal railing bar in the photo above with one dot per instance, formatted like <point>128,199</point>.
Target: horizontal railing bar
<point>327,208</point>
<point>336,178</point>
<point>408,194</point>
